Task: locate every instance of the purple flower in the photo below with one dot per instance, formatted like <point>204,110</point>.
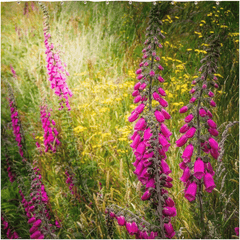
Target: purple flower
<point>186,174</point>
<point>183,109</point>
<point>211,123</point>
<point>184,128</point>
<point>202,112</point>
<point>213,143</point>
<point>162,92</point>
<point>159,116</point>
<point>139,71</point>
<point>165,114</point>
<point>187,153</point>
<point>208,182</point>
<point>170,211</point>
<point>236,229</point>
<point>212,103</point>
<point>152,73</point>
<point>190,193</point>
<point>199,168</point>
<point>146,195</point>
<point>190,133</point>
<point>181,141</point>
<point>121,220</point>
<point>169,230</point>
<point>189,118</point>
<point>133,117</point>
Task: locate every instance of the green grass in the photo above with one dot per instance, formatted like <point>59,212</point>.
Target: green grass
<point>101,45</point>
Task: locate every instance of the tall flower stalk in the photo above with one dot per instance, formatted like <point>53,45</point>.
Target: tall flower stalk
<point>151,138</point>
<point>50,132</point>
<point>200,131</point>
<point>56,69</point>
<point>6,228</point>
<point>16,123</point>
<point>35,205</point>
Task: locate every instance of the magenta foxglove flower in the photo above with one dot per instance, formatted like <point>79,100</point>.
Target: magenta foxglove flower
<point>208,182</point>
<point>192,100</point>
<point>211,123</point>
<point>146,195</point>
<point>236,229</point>
<point>181,141</point>
<point>35,235</point>
<point>183,109</point>
<point>186,175</point>
<point>152,73</point>
<point>160,79</point>
<point>190,133</point>
<point>213,143</point>
<point>134,116</point>
<point>159,116</point>
<point>184,128</point>
<point>187,153</point>
<point>163,102</point>
<point>189,118</point>
<point>213,132</point>
<point>166,114</point>
<point>190,193</point>
<point>212,103</point>
<point>193,90</point>
<point>140,125</point>
<point>199,168</point>
<point>169,230</point>
<point>121,220</point>
<point>202,112</point>
<point>162,92</point>
<point>139,71</point>
<point>170,211</point>
<point>112,215</point>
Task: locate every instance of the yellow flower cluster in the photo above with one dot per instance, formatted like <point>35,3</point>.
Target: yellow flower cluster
<point>132,74</point>
<point>200,51</point>
<point>199,34</point>
<point>39,137</point>
<point>79,129</point>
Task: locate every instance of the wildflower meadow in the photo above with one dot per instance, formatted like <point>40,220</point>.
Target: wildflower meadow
<point>120,120</point>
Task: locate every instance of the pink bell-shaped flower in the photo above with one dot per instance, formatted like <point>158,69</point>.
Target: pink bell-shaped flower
<point>170,211</point>
<point>140,125</point>
<point>213,143</point>
<point>190,193</point>
<point>190,133</point>
<point>169,230</point>
<point>187,153</point>
<point>165,167</point>
<point>184,128</point>
<point>208,182</point>
<point>189,118</point>
<point>146,195</point>
<point>213,132</point>
<point>165,131</point>
<point>165,114</point>
<point>159,116</point>
<point>186,175</point>
<point>133,117</point>
<point>202,112</point>
<point>199,168</point>
<point>121,220</point>
<point>183,109</point>
<point>211,123</point>
<point>181,141</point>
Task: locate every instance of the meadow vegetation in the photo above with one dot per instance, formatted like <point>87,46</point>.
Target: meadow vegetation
<point>101,45</point>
